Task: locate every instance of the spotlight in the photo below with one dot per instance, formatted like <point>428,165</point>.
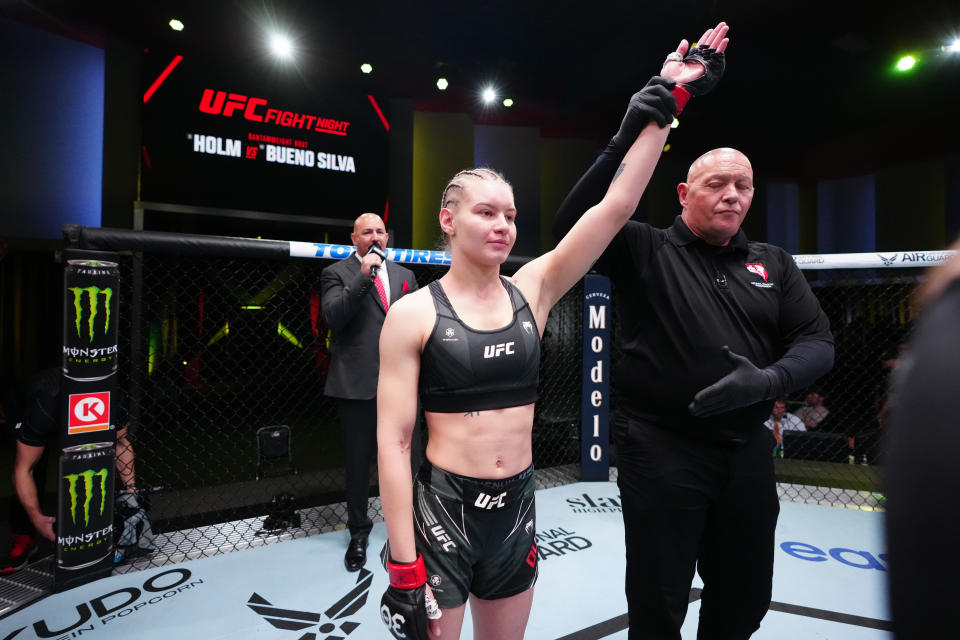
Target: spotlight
<point>954,47</point>
<point>442,84</point>
<point>906,63</point>
<point>176,25</point>
<point>489,95</point>
<point>508,102</point>
<point>281,45</point>
<point>366,67</point>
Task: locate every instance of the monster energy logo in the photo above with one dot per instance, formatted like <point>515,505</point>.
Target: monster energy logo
<point>93,294</point>
<point>88,477</point>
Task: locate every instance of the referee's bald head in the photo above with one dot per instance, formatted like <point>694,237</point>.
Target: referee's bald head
<point>716,156</point>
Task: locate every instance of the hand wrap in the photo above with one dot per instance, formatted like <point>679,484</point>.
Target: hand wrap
<point>403,605</point>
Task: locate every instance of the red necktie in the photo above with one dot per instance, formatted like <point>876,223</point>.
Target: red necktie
<point>378,283</point>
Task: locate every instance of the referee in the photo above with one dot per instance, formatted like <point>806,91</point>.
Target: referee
<point>712,327</point>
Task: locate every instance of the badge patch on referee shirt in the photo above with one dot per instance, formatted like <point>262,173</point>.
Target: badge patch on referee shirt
<point>757,268</point>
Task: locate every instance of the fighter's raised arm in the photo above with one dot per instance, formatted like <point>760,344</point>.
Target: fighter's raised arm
<point>697,70</point>
<point>686,72</point>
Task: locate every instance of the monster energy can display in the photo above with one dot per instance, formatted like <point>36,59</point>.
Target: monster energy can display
<point>85,520</point>
<point>90,319</point>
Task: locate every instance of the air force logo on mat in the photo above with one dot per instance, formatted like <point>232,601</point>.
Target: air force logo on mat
<point>333,623</point>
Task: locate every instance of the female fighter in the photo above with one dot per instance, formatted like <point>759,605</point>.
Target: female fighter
<point>469,344</point>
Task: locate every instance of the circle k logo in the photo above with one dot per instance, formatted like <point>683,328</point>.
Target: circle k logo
<point>89,412</point>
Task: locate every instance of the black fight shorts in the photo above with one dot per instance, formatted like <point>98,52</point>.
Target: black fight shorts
<point>475,536</point>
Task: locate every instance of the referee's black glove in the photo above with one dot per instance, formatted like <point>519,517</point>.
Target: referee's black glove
<point>653,103</point>
<point>743,386</point>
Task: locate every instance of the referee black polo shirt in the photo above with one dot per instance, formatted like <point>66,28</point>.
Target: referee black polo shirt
<point>679,300</point>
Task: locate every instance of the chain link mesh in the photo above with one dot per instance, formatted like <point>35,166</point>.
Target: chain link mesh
<point>236,444</point>
<point>837,460</point>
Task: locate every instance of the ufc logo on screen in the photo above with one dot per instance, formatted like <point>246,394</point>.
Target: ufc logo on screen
<point>486,501</point>
<point>497,350</point>
<point>88,412</point>
<point>219,103</point>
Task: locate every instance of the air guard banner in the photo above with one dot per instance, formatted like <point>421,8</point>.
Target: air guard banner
<point>88,392</point>
<point>595,400</point>
<point>237,134</point>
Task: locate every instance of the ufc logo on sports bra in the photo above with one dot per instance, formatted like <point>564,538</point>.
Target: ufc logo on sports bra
<point>497,350</point>
<point>486,501</point>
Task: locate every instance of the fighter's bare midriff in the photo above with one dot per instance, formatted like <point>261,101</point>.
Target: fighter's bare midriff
<point>489,444</point>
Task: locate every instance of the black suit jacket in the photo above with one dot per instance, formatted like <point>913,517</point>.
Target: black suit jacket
<point>353,312</point>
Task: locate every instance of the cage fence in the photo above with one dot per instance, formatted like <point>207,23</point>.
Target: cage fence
<point>237,446</point>
<point>832,453</point>
<point>235,443</point>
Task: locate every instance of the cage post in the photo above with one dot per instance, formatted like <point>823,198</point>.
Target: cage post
<point>87,438</point>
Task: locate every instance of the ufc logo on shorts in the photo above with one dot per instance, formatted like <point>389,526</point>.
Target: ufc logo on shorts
<point>443,538</point>
<point>497,350</point>
<point>486,501</point>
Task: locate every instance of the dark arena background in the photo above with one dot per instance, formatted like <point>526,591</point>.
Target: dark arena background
<point>209,169</point>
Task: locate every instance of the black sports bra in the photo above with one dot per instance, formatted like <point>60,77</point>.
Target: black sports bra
<point>464,369</point>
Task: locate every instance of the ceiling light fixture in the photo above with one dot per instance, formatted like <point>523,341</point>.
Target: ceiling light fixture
<point>281,46</point>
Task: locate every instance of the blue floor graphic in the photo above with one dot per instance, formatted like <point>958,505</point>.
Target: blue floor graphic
<point>829,582</point>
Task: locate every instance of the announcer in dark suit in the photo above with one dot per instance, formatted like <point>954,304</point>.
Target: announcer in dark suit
<point>357,292</point>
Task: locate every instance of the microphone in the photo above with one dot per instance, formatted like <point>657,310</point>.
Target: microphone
<point>377,251</point>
